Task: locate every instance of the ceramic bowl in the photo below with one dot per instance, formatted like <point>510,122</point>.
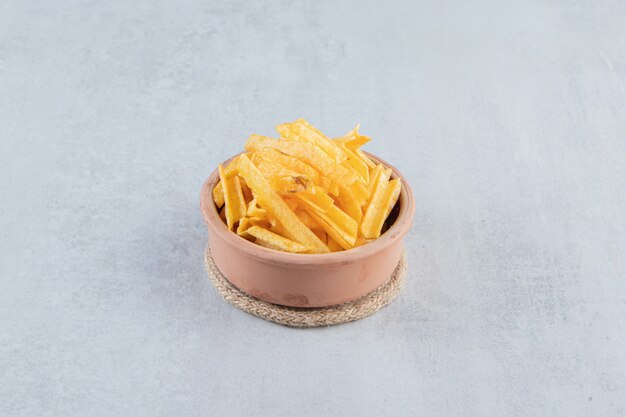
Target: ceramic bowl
<point>307,280</point>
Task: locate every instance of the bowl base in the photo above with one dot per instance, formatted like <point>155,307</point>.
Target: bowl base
<point>308,317</point>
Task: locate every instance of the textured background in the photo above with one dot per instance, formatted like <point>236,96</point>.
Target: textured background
<point>509,121</point>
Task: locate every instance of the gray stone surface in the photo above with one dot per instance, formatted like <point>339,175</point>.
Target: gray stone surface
<point>508,120</point>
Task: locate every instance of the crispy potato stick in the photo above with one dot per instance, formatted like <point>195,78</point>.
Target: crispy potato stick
<point>349,203</point>
<point>286,161</point>
<point>230,171</point>
<point>292,203</point>
<point>319,232</point>
<point>330,186</point>
<point>254,210</point>
<point>246,191</point>
<point>356,164</point>
<point>384,198</point>
<point>393,193</point>
<point>313,156</point>
<point>333,245</point>
<point>233,198</point>
<point>302,131</point>
<point>244,224</point>
<point>380,179</point>
<point>271,240</point>
<point>274,204</point>
<point>306,219</point>
<point>353,139</point>
<point>278,228</point>
<point>281,179</point>
<point>370,164</point>
<point>332,219</point>
<point>248,222</point>
<point>331,229</point>
<point>298,166</point>
<point>218,195</point>
<point>285,184</point>
<point>374,180</point>
<point>311,224</point>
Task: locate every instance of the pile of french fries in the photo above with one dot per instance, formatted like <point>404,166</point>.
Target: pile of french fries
<point>304,192</point>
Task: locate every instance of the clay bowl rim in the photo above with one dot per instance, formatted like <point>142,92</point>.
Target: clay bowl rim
<point>396,231</point>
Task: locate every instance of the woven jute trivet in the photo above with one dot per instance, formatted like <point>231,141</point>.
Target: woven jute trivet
<point>308,317</point>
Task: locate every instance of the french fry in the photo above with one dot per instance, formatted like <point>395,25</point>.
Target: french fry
<point>274,204</point>
<point>384,198</point>
<point>353,140</point>
<point>292,203</point>
<point>281,179</point>
<point>254,210</point>
<point>218,195</point>
<point>313,156</point>
<point>333,245</point>
<point>332,219</point>
<point>248,222</point>
<point>321,234</point>
<point>370,164</point>
<point>230,170</point>
<point>271,240</point>
<point>306,218</point>
<point>350,204</point>
<point>244,224</point>
<point>391,196</point>
<point>302,131</point>
<point>306,193</point>
<point>332,229</point>
<point>374,181</point>
<point>246,191</point>
<point>234,202</point>
<point>298,166</point>
<point>286,161</point>
<point>356,164</point>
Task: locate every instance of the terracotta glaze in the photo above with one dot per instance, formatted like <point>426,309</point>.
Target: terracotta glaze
<point>306,280</point>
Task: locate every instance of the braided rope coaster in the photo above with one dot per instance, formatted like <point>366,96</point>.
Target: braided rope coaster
<point>308,317</point>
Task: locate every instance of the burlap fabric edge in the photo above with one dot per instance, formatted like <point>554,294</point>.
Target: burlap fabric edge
<point>308,317</point>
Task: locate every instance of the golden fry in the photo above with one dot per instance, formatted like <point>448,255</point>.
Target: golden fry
<point>333,245</point>
<point>302,131</point>
<point>276,206</point>
<point>295,165</point>
<point>244,224</point>
<point>254,210</point>
<point>353,140</point>
<point>230,170</point>
<point>333,220</point>
<point>286,161</point>
<point>218,195</point>
<point>355,163</point>
<point>370,164</point>
<point>375,180</point>
<point>349,204</point>
<point>384,199</point>
<point>234,202</point>
<point>313,156</point>
<point>281,179</point>
<point>306,193</point>
<point>271,240</point>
